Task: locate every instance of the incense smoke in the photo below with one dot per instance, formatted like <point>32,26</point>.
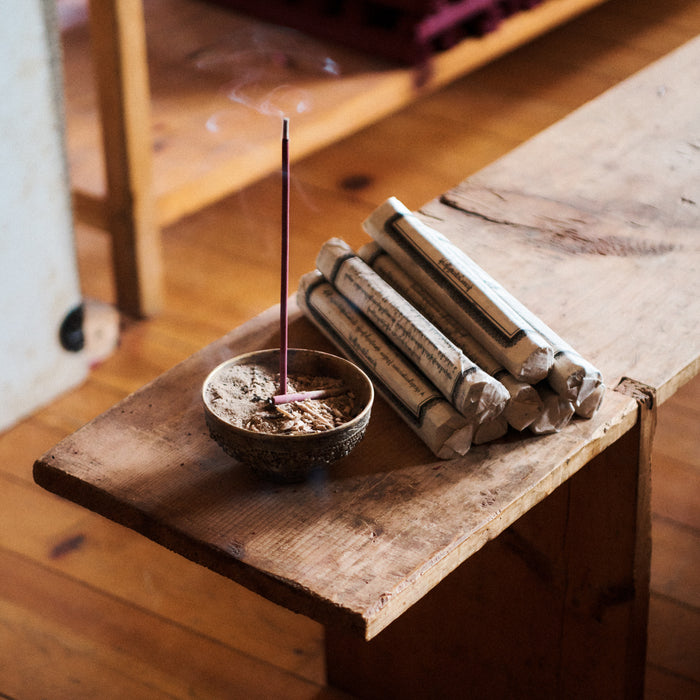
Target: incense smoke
<point>266,70</point>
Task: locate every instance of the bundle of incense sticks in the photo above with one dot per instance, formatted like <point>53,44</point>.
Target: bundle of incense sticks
<point>473,392</point>
<point>524,404</point>
<point>405,308</point>
<point>456,283</point>
<point>445,431</point>
<point>447,273</point>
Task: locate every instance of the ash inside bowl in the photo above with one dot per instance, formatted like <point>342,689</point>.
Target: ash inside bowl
<point>240,395</point>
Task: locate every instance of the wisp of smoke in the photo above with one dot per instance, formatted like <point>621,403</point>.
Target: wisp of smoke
<point>266,70</point>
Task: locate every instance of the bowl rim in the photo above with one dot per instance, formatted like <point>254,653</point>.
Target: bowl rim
<point>301,437</point>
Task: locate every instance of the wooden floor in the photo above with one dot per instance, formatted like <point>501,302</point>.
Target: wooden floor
<point>89,609</point>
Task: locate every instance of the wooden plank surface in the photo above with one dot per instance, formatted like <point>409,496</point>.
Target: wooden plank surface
<point>353,547</point>
<point>160,658</point>
<point>599,216</point>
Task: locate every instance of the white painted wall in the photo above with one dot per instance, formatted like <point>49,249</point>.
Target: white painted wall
<point>38,273</point>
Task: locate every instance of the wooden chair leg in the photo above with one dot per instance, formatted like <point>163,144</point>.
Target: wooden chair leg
<point>119,50</point>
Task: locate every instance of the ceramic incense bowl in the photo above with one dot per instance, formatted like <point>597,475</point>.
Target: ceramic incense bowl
<point>280,456</point>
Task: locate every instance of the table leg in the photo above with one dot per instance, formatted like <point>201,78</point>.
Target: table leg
<point>119,52</point>
<point>556,606</point>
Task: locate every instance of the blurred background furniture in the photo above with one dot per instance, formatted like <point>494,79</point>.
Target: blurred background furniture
<point>154,100</point>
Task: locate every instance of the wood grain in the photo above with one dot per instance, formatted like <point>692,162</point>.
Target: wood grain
<point>186,98</point>
<point>206,121</point>
<point>608,208</point>
<point>534,567</point>
<point>503,103</point>
<point>149,651</point>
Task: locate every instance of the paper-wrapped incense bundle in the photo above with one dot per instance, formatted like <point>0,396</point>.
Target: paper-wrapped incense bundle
<point>446,432</point>
<point>524,403</point>
<point>571,376</point>
<point>453,280</point>
<point>473,392</point>
<point>490,430</point>
<point>591,403</point>
<point>556,413</point>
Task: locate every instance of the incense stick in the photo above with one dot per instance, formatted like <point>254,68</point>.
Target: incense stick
<point>284,287</point>
<point>308,395</point>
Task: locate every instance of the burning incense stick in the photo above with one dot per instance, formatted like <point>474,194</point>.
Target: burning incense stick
<point>282,396</point>
<point>284,323</point>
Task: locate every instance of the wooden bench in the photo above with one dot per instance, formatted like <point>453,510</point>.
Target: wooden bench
<point>522,569</point>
